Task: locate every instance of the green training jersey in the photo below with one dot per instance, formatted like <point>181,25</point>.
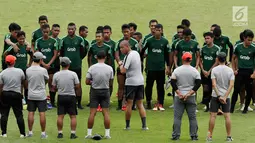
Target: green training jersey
<point>158,51</point>
<point>174,44</point>
<point>57,62</point>
<point>208,56</point>
<point>187,46</point>
<point>21,56</point>
<point>6,46</point>
<point>37,34</point>
<point>193,37</point>
<point>245,56</point>
<point>239,41</point>
<point>94,49</point>
<point>74,49</point>
<point>47,47</point>
<point>223,42</point>
<point>134,46</point>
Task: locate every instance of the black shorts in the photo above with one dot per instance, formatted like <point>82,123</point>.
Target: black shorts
<point>32,105</point>
<point>78,72</point>
<point>52,70</point>
<point>206,80</point>
<point>215,105</point>
<point>67,105</point>
<point>99,96</point>
<point>119,73</point>
<point>134,92</point>
<point>24,71</point>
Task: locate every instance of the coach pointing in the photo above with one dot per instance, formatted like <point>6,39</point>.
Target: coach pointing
<point>186,81</point>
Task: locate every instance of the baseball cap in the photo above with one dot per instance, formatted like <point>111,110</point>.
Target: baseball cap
<point>222,56</point>
<point>187,56</point>
<point>38,56</point>
<point>10,59</point>
<point>65,61</point>
<point>101,54</point>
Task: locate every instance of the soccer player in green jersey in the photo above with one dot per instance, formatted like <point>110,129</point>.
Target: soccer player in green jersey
<point>38,33</point>
<point>243,67</point>
<point>186,24</point>
<point>187,45</point>
<point>158,54</point>
<point>133,28</point>
<point>72,46</point>
<point>152,25</point>
<point>21,56</point>
<point>119,57</point>
<point>213,27</point>
<point>83,32</point>
<point>223,42</point>
<point>207,63</point>
<point>48,46</point>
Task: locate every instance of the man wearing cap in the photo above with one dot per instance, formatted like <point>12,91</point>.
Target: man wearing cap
<point>222,83</point>
<point>37,78</point>
<point>134,84</point>
<point>67,83</point>
<point>11,81</point>
<point>185,81</point>
<point>99,76</point>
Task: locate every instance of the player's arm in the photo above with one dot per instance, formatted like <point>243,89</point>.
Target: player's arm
<point>196,86</point>
<point>117,54</point>
<point>88,80</point>
<point>61,48</point>
<point>10,43</point>
<point>230,87</point>
<point>214,86</point>
<point>46,76</point>
<point>197,59</point>
<point>109,61</point>
<point>168,59</point>
<point>145,47</point>
<point>82,49</point>
<point>90,57</point>
<point>231,50</point>
<point>33,42</point>
<point>126,64</point>
<point>235,60</point>
<point>8,51</point>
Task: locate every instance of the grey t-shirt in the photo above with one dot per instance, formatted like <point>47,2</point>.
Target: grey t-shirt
<point>11,79</point>
<point>222,74</point>
<point>185,76</point>
<point>65,81</point>
<point>36,77</point>
<point>132,64</point>
<point>100,74</point>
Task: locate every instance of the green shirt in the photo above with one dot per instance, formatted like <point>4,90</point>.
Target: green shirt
<point>47,47</point>
<point>6,46</point>
<point>57,62</point>
<point>157,53</point>
<point>37,34</point>
<point>223,42</point>
<point>134,46</point>
<point>245,56</point>
<point>94,49</point>
<point>239,41</point>
<point>74,49</point>
<point>193,36</point>
<point>174,44</point>
<point>208,56</point>
<point>21,55</point>
<point>187,46</point>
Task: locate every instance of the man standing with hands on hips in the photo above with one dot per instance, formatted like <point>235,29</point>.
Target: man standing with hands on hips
<point>185,81</point>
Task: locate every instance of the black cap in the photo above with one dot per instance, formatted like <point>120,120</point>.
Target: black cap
<point>101,54</point>
<point>222,56</point>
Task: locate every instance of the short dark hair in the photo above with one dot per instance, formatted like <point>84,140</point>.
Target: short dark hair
<point>248,33</point>
<point>133,25</point>
<point>159,26</point>
<point>101,54</point>
<point>100,28</point>
<point>208,34</point>
<point>42,17</point>
<point>185,22</point>
<point>107,27</point>
<point>14,26</point>
<point>21,33</point>
<point>138,34</point>
<point>241,36</point>
<point>45,26</point>
<point>100,32</point>
<point>217,32</point>
<point>215,25</point>
<point>180,27</point>
<point>125,26</point>
<point>36,60</point>
<point>56,25</point>
<point>83,28</point>
<point>152,21</point>
<point>187,32</point>
<point>71,24</point>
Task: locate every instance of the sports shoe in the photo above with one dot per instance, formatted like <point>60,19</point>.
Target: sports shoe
<point>155,108</point>
<point>161,108</point>
<point>171,106</point>
<point>250,109</point>
<point>127,128</point>
<point>24,102</point>
<point>229,139</point>
<point>60,135</point>
<point>253,104</point>
<point>79,107</point>
<point>99,109</point>
<point>73,136</point>
<point>44,136</point>
<point>194,138</point>
<point>204,108</point>
<point>197,111</point>
<point>167,84</point>
<point>175,138</point>
<point>29,135</point>
<point>4,135</point>
<point>242,107</point>
<point>124,108</point>
<point>22,136</point>
<point>209,139</point>
<point>49,106</point>
<point>145,128</point>
<point>88,137</point>
<point>149,106</point>
<point>107,137</point>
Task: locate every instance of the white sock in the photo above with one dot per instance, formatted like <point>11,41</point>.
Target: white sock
<point>43,133</point>
<point>60,132</point>
<point>30,132</point>
<point>90,132</point>
<point>107,132</point>
<point>72,132</point>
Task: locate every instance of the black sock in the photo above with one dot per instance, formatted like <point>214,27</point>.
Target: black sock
<point>120,103</point>
<point>111,89</point>
<point>52,97</point>
<point>127,123</point>
<point>207,106</point>
<point>143,122</point>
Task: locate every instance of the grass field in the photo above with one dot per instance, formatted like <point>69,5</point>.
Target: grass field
<point>201,13</point>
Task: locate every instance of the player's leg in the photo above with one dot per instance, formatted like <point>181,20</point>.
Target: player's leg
<point>61,114</point>
<point>214,106</point>
<point>242,95</point>
<point>139,102</point>
<point>148,89</point>
<point>160,89</point>
<point>79,98</point>
<point>206,92</point>
<point>42,108</point>
<point>248,87</point>
<point>226,110</point>
<point>130,94</point>
<point>5,111</point>
<point>253,95</point>
<point>71,109</point>
<point>179,107</point>
<point>237,87</point>
<point>51,90</point>
<point>121,86</point>
<point>105,103</point>
<point>191,111</point>
<point>31,107</point>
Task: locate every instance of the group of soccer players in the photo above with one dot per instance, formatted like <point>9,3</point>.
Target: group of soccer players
<point>161,59</point>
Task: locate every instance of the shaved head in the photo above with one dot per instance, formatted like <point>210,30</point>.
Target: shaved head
<point>124,47</point>
<point>124,43</point>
